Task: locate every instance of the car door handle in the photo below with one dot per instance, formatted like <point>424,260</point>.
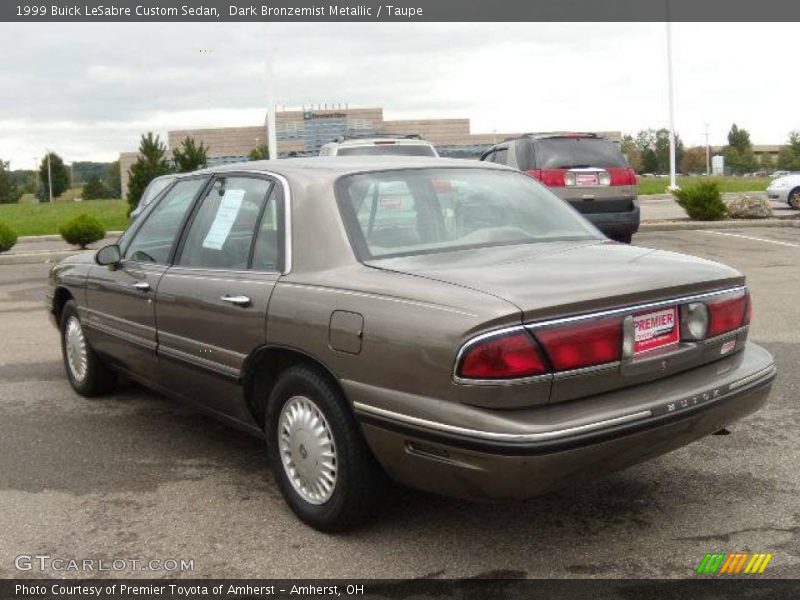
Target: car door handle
<point>237,300</point>
<point>142,286</point>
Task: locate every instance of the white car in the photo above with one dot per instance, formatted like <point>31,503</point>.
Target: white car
<point>786,188</point>
<point>399,146</point>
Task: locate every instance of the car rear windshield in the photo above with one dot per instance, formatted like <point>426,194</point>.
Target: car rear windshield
<point>387,149</point>
<point>570,153</point>
<point>418,211</point>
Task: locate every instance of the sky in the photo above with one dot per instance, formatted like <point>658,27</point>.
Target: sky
<point>88,91</point>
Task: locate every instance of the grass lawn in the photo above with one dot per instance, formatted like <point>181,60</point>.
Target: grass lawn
<point>658,185</point>
<point>45,218</point>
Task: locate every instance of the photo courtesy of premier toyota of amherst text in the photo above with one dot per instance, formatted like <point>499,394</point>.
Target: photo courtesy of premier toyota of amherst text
<point>399,301</point>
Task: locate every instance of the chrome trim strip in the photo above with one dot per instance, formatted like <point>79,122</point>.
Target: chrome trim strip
<point>519,380</point>
<point>196,361</point>
<point>763,373</point>
<point>533,326</point>
<point>633,307</point>
<point>609,366</point>
<point>497,436</point>
<point>122,335</point>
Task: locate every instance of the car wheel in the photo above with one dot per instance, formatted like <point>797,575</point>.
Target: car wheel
<point>321,463</point>
<point>623,238</point>
<point>794,198</point>
<point>87,373</point>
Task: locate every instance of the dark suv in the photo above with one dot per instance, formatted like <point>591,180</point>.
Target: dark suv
<point>585,169</point>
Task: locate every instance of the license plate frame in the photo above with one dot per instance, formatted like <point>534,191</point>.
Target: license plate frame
<point>655,329</point>
<point>586,179</point>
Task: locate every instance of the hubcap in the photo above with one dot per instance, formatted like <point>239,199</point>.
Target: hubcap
<point>75,345</point>
<point>794,200</point>
<point>307,449</point>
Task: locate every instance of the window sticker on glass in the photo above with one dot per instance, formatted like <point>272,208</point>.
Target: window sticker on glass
<point>223,221</point>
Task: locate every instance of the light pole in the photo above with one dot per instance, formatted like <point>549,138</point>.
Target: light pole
<point>672,184</point>
<point>272,140</point>
<point>49,178</point>
<point>708,154</point>
<point>38,179</point>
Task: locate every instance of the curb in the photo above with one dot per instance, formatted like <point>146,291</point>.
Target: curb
<point>35,258</point>
<point>56,237</point>
<point>733,224</point>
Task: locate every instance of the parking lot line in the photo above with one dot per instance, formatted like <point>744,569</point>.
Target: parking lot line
<point>750,237</point>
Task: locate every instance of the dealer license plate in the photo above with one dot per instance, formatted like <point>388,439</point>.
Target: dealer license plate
<point>655,329</point>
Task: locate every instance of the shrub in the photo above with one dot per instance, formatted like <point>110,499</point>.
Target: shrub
<point>8,237</point>
<point>82,230</point>
<point>95,189</point>
<point>702,201</point>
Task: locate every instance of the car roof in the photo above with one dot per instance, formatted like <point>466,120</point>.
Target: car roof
<point>383,140</point>
<point>337,166</point>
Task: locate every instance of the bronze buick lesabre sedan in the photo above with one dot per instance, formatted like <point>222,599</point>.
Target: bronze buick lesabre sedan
<point>452,324</point>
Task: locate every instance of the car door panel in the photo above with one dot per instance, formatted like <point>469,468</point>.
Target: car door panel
<point>211,306</point>
<point>204,340</point>
<point>120,313</point>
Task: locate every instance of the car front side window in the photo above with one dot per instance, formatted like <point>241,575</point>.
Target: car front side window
<point>153,241</point>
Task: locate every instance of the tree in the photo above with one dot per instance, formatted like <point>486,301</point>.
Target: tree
<point>739,138</point>
<point>787,161</point>
<point>789,155</point>
<point>767,162</point>
<point>189,156</point>
<point>653,146</point>
<point>259,153</point>
<point>113,181</point>
<point>94,189</point>
<point>59,173</point>
<point>150,164</point>
<point>9,190</point>
<point>631,151</point>
<point>694,160</point>
<point>739,155</point>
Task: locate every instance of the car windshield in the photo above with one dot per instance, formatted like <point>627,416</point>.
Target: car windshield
<point>387,149</point>
<point>154,189</point>
<point>417,211</point>
<point>570,153</point>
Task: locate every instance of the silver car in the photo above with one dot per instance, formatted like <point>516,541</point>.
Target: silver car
<point>786,189</point>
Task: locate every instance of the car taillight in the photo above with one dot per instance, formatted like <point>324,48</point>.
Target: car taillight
<point>582,344</point>
<point>622,176</point>
<point>502,357</point>
<point>549,177</point>
<point>728,312</point>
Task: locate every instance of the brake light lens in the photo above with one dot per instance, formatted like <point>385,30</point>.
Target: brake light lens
<point>549,177</point>
<point>503,357</point>
<point>728,312</point>
<point>622,176</point>
<point>582,344</point>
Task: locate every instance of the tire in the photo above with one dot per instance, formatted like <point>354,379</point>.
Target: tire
<point>794,198</point>
<point>303,396</point>
<point>623,238</point>
<point>87,373</point>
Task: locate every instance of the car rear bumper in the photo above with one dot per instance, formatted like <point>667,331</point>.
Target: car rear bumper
<point>513,463</point>
<point>616,223</point>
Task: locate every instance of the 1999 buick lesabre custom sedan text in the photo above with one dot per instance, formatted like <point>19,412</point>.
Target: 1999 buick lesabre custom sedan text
<point>449,323</point>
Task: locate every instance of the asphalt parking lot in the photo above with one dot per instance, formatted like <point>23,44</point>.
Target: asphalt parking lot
<point>136,476</point>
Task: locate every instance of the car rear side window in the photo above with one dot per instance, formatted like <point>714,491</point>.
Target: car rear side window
<point>417,211</point>
<point>153,241</point>
<point>578,152</point>
<point>224,225</point>
<point>501,156</point>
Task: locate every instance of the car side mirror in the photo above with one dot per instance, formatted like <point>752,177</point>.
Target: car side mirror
<point>108,255</point>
